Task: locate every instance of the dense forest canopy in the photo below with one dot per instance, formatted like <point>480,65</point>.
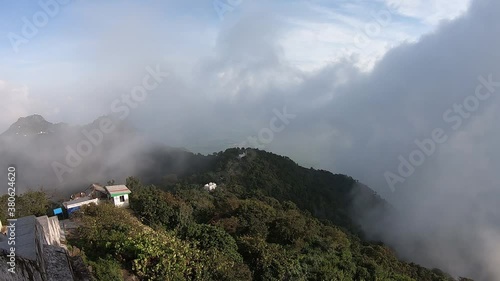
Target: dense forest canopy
<point>268,219</point>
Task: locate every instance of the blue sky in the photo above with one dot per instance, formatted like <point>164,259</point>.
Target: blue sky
<point>87,40</point>
<point>328,25</point>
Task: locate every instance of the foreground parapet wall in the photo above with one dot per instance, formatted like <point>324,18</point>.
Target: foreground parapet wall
<point>29,258</point>
<point>39,254</point>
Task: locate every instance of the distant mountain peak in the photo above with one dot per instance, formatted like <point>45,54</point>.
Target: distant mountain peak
<point>36,124</point>
<point>33,118</point>
<point>30,125</point>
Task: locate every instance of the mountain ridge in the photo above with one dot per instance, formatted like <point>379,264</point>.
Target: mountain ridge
<point>270,199</point>
<point>33,125</point>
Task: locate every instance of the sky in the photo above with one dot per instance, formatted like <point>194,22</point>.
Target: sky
<point>398,94</point>
<point>80,52</point>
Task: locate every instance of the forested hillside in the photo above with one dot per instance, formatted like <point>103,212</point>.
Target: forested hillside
<point>268,219</point>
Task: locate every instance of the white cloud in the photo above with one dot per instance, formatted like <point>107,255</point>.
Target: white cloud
<point>430,12</point>
<point>16,102</point>
<point>329,34</point>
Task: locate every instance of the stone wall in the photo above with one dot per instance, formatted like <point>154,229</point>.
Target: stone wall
<point>40,256</point>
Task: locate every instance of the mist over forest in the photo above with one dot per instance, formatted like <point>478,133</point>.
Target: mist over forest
<point>400,96</point>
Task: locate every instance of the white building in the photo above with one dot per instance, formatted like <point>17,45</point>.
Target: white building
<point>75,205</point>
<point>118,195</point>
<point>211,186</point>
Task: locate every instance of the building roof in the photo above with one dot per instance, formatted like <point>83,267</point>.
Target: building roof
<point>97,187</point>
<point>117,190</point>
<point>78,202</point>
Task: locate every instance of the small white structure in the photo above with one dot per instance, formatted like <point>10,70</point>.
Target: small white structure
<point>119,195</point>
<point>75,205</point>
<point>211,186</point>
